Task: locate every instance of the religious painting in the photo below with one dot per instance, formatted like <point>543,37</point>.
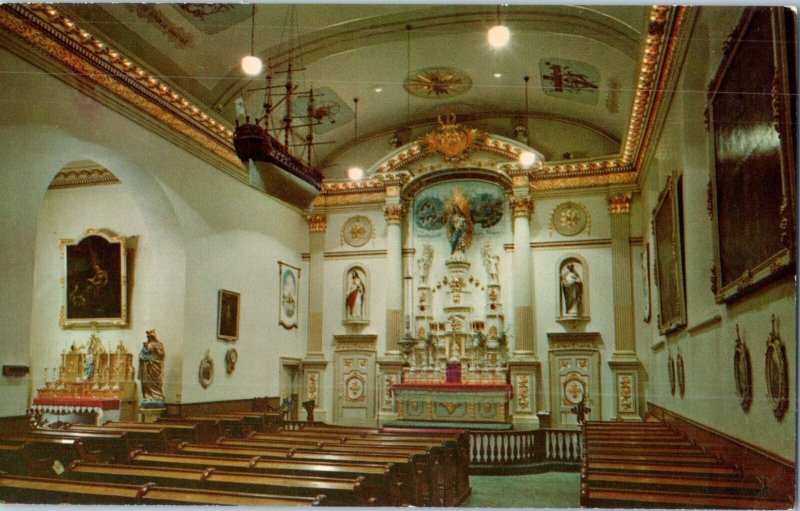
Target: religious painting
<point>356,288</point>
<point>288,295</point>
<point>667,227</point>
<point>213,18</point>
<point>228,315</point>
<point>95,286</point>
<point>646,282</point>
<point>750,119</point>
<point>480,205</point>
<point>570,79</point>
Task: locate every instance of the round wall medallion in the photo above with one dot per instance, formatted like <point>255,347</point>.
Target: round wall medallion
<point>437,82</point>
<point>574,390</point>
<point>743,372</point>
<point>357,231</point>
<point>569,218</point>
<point>777,373</point>
<point>231,357</point>
<point>206,373</point>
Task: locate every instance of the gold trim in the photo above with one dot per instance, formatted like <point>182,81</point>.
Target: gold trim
<point>88,176</point>
<point>393,213</point>
<point>341,254</point>
<point>521,206</point>
<point>317,223</point>
<point>620,203</point>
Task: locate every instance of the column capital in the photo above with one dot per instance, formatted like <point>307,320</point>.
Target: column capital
<point>521,206</point>
<point>317,223</point>
<point>393,213</point>
<point>620,203</point>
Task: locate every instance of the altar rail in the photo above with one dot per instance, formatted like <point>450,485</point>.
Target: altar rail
<point>524,447</point>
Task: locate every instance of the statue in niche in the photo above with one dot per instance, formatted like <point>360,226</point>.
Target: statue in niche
<point>356,290</point>
<point>572,290</point>
<point>151,369</point>
<point>424,263</point>
<point>492,264</point>
<point>458,220</point>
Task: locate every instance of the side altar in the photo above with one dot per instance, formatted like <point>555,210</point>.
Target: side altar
<point>92,384</point>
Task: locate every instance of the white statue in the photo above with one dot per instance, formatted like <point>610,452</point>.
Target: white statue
<point>424,263</point>
<point>492,263</point>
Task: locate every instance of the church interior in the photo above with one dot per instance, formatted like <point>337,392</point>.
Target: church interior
<point>398,255</point>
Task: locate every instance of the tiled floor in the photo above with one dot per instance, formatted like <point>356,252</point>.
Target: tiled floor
<point>547,490</point>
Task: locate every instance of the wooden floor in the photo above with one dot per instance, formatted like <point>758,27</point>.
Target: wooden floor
<point>647,464</point>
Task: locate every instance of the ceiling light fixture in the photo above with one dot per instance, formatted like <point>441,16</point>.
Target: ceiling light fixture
<point>498,75</point>
<point>499,35</point>
<point>355,172</point>
<point>252,65</point>
<point>378,89</point>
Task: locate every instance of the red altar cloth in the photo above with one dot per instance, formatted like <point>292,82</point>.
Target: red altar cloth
<point>89,402</point>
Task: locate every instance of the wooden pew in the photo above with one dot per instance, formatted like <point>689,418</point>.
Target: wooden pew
<point>208,427</point>
<point>261,421</point>
<point>41,490</point>
<point>428,462</point>
<point>339,491</point>
<point>628,498</point>
<point>150,439</point>
<point>176,433</point>
<point>410,468</point>
<point>232,425</point>
<point>43,453</point>
<point>110,446</point>
<point>380,479</point>
<point>15,459</point>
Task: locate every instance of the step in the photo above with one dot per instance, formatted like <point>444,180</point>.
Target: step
<point>673,483</point>
<point>683,451</point>
<point>645,498</point>
<point>654,458</point>
<point>687,469</point>
<point>640,443</point>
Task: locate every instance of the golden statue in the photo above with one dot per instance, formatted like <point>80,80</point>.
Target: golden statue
<point>151,368</point>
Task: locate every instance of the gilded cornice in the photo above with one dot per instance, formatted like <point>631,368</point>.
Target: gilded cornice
<point>88,176</point>
<point>44,28</point>
<point>521,206</point>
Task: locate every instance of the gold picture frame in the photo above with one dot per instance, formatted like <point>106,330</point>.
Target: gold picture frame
<point>95,280</point>
<point>668,244</point>
<point>228,307</point>
<point>753,196</point>
<point>288,296</point>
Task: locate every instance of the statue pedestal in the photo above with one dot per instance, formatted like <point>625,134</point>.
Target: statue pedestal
<point>150,415</point>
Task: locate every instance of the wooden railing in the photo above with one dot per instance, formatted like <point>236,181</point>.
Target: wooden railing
<point>522,447</point>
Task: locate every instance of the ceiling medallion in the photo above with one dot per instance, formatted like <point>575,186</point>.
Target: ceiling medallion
<point>434,82</point>
<point>451,139</point>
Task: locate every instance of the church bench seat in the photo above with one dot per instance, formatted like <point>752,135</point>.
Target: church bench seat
<point>687,469</point>
<point>670,482</point>
<point>42,490</point>
<point>662,499</point>
<point>338,491</point>
<point>414,470</point>
<point>151,439</point>
<point>380,479</point>
<point>695,458</point>
<point>261,421</point>
<point>232,425</point>
<point>209,428</point>
<point>106,446</point>
<point>41,452</point>
<point>15,458</point>
<point>175,432</point>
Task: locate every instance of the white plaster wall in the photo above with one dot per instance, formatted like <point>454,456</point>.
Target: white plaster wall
<point>711,397</point>
<point>206,231</point>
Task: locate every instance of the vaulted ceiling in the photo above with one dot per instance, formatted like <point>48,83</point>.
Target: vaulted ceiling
<point>583,63</point>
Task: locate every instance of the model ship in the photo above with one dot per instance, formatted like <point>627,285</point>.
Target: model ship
<point>282,173</point>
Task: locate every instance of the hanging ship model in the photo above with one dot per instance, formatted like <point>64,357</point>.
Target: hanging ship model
<point>273,164</point>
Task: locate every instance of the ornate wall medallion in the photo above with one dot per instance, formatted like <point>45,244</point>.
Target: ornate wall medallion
<point>206,373</point>
<point>777,373</point>
<point>570,218</point>
<point>231,357</point>
<point>681,376</point>
<point>743,372</point>
<point>671,372</point>
<point>357,231</point>
<point>434,82</point>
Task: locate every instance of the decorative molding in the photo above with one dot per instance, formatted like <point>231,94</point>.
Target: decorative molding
<point>357,231</point>
<point>354,254</point>
<point>573,218</point>
<point>706,324</point>
<point>84,176</point>
<point>317,223</point>
<point>620,203</point>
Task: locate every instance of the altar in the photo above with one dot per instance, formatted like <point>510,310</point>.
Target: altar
<point>452,402</point>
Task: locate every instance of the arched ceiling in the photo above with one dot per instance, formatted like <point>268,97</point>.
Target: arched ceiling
<point>583,63</point>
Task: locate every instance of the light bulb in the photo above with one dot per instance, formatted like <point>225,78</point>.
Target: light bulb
<point>355,173</point>
<point>251,65</point>
<point>498,36</point>
<point>527,158</point>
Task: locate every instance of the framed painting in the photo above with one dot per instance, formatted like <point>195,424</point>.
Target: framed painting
<point>667,230</point>
<point>95,282</point>
<point>750,118</point>
<point>288,297</point>
<point>228,315</point>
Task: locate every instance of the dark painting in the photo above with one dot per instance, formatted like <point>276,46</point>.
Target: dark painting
<point>94,280</point>
<point>228,316</point>
<point>750,164</point>
<point>669,259</point>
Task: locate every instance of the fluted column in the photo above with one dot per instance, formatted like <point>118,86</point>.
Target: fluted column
<point>524,335</point>
<point>392,280</point>
<point>314,364</point>
<point>624,362</point>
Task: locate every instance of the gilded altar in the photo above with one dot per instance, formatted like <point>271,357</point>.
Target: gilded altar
<point>90,384</point>
<point>453,402</point>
